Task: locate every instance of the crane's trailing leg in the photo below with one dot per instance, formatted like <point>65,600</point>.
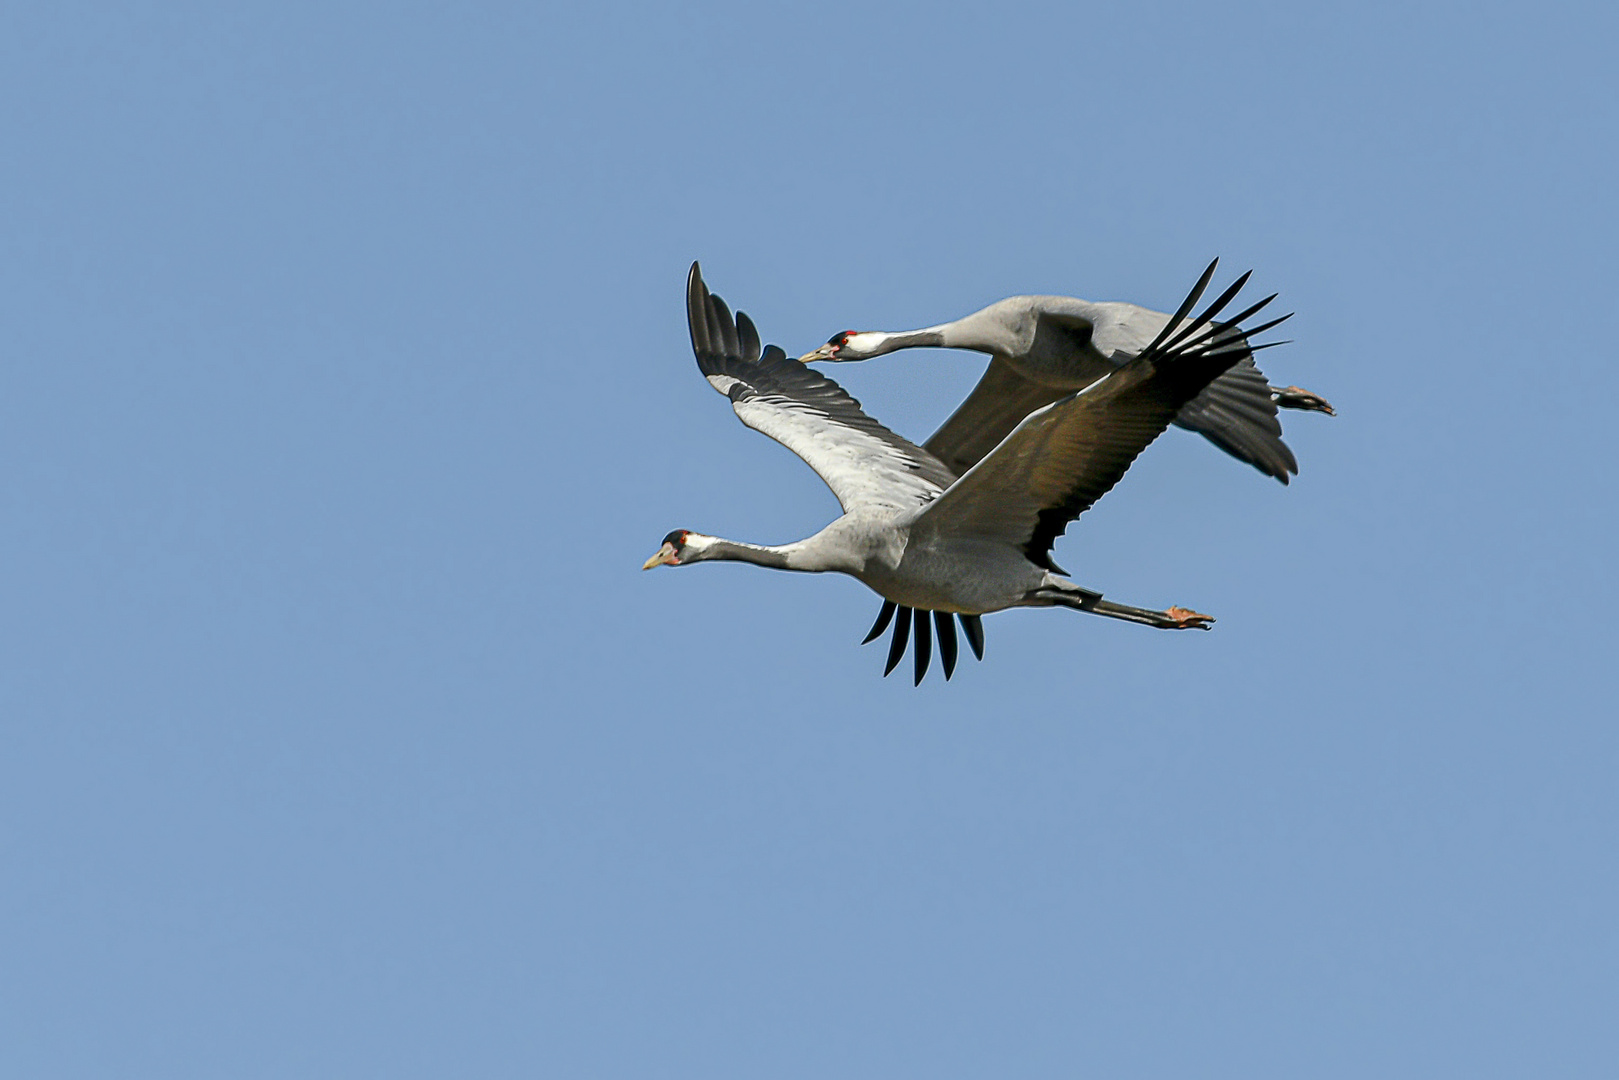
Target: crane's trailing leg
<point>1176,618</point>
<point>1064,593</point>
<point>1296,397</point>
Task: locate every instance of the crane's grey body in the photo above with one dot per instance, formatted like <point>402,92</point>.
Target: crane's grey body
<point>903,560</point>
<point>1044,347</point>
<point>914,531</point>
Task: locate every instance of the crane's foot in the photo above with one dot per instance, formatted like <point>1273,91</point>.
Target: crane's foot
<point>1185,619</point>
<point>1296,397</point>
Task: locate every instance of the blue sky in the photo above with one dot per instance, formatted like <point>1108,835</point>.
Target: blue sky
<point>346,386</point>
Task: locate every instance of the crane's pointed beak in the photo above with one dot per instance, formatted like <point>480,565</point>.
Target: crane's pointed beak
<point>825,352</point>
<point>666,554</point>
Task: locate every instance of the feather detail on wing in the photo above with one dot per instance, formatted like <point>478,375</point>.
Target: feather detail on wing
<point>864,463</point>
<point>1237,411</point>
<point>1062,458</point>
<point>1001,399</point>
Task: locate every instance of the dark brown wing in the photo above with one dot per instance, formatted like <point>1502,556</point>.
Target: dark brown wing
<point>997,404</point>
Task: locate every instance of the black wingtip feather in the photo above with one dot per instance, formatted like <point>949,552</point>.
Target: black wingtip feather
<point>748,337</point>
<point>1186,306</point>
<point>1256,331</point>
<point>1170,377</point>
<point>1223,334</point>
<point>884,616</point>
<point>697,310</point>
<point>1211,311</point>
<point>973,626</point>
<point>722,327</point>
<point>945,631</point>
<point>924,645</point>
<point>902,635</point>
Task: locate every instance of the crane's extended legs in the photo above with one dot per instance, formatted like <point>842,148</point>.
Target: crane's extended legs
<point>1296,397</point>
<point>1176,618</point>
<point>917,631</point>
<point>1066,594</point>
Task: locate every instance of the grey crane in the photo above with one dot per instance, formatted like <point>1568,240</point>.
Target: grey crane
<point>925,539</point>
<point>1045,347</point>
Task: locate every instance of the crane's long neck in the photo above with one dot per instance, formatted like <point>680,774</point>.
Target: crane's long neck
<point>878,342</point>
<point>801,555</point>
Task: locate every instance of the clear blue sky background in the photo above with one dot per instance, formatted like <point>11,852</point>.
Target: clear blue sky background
<point>344,386</point>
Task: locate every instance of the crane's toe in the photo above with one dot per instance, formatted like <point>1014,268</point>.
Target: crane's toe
<point>1186,619</point>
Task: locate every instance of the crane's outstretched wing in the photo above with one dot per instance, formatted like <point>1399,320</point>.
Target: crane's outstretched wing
<point>1236,412</point>
<point>1060,459</point>
<point>864,463</point>
<point>1001,399</point>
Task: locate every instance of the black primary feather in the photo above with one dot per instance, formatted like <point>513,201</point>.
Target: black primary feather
<point>1158,384</point>
<point>924,646</point>
<point>902,635</point>
<point>946,633</point>
<point>884,615</point>
<point>973,627</point>
<point>1213,309</point>
<point>1180,313</point>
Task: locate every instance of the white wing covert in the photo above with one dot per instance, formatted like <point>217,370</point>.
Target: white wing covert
<point>864,463</point>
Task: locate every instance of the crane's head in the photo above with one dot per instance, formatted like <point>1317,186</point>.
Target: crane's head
<point>680,546</point>
<point>674,545</point>
<point>847,345</point>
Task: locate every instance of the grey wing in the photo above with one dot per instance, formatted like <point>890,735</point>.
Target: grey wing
<point>863,462</point>
<point>1236,412</point>
<point>1056,329</point>
<point>1084,341</point>
<point>1065,456</point>
<point>1001,399</point>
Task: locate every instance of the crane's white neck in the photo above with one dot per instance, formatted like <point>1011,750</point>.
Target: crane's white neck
<point>800,555</point>
<point>871,343</point>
